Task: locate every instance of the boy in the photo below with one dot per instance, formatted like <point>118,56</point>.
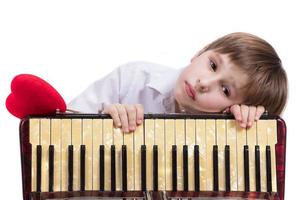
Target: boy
<point>238,73</point>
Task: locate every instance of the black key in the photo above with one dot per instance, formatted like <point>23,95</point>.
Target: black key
<point>196,165</point>
<point>246,168</point>
<point>174,167</point>
<point>185,168</point>
<point>215,168</point>
<point>51,167</point>
<point>38,167</point>
<point>257,168</point>
<point>268,169</point>
<point>70,168</point>
<point>155,168</point>
<point>102,174</point>
<point>227,167</point>
<point>124,168</point>
<point>113,167</point>
<point>82,167</point>
<point>143,167</point>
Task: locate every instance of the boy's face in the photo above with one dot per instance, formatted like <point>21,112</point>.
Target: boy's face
<point>211,83</point>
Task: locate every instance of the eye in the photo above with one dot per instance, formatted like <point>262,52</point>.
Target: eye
<point>213,65</point>
<point>226,91</point>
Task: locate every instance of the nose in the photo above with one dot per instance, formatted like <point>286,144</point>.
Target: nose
<point>204,85</point>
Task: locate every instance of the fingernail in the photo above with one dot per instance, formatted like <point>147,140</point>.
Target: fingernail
<point>243,125</point>
<point>249,124</point>
<point>131,128</point>
<point>139,121</point>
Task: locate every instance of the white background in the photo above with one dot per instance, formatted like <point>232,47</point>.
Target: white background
<point>72,43</point>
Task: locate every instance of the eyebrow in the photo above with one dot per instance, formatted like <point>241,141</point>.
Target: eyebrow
<point>218,58</point>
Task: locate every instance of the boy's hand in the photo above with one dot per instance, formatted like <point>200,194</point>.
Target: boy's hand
<point>126,116</point>
<point>246,115</point>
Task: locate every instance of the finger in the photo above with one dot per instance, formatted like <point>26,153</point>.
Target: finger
<point>259,111</point>
<point>251,116</point>
<point>245,114</point>
<point>139,113</point>
<point>113,112</point>
<point>236,111</point>
<point>123,117</point>
<point>131,114</point>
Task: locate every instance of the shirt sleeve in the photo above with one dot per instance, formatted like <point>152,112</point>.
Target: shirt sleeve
<point>102,92</point>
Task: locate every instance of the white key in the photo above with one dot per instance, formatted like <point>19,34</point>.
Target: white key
<point>210,142</point>
<point>180,141</point>
<point>231,141</point>
<point>34,139</point>
<point>45,142</point>
<point>221,142</point>
<point>201,141</point>
<point>56,142</point>
<point>97,141</point>
<point>65,142</point>
<point>149,142</point>
<point>76,142</point>
<point>160,142</point>
<point>107,141</point>
<point>190,141</point>
<point>170,140</point>
<point>87,140</point>
<point>241,141</point>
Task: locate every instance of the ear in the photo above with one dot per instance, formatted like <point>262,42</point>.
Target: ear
<point>199,53</point>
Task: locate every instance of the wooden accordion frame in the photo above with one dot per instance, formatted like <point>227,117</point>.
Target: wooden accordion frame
<point>26,155</point>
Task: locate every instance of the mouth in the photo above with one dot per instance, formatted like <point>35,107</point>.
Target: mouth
<point>189,90</point>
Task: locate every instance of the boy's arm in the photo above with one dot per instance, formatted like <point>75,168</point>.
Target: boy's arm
<point>246,115</point>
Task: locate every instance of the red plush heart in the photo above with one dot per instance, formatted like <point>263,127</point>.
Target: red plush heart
<point>31,95</point>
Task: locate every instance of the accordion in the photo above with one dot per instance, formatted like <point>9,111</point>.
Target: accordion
<point>169,156</point>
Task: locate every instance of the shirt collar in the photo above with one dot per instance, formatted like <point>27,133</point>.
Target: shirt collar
<point>164,82</point>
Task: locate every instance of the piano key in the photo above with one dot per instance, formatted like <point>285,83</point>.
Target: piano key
<point>221,142</point>
<point>96,142</point>
<point>51,167</point>
<point>149,135</point>
<point>38,167</point>
<point>257,169</point>
<point>227,168</point>
<point>174,168</point>
<point>34,139</point>
<point>180,141</point>
<point>143,167</point>
<point>215,169</point>
<point>45,142</point>
<point>113,168</point>
<point>102,167</point>
<point>124,168</point>
<point>272,141</point>
<point>246,168</point>
<point>70,168</point>
<point>107,141</point>
<point>262,140</point>
<point>155,168</point>
<point>159,140</point>
<point>251,142</point>
<point>231,141</point>
<point>56,128</point>
<point>185,168</point>
<point>201,141</point>
<point>66,183</point>
<point>196,168</point>
<point>190,137</point>
<point>82,167</point>
<point>170,141</point>
<point>241,135</point>
<point>76,142</point>
<point>210,141</point>
<point>128,142</point>
<point>87,141</point>
<point>138,142</point>
<point>118,142</point>
<point>268,169</point>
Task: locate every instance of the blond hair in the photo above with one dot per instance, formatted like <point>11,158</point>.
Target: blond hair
<point>267,85</point>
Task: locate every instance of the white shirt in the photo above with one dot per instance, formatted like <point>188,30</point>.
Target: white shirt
<point>143,83</point>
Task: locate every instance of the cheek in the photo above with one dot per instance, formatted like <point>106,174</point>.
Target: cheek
<point>211,103</point>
